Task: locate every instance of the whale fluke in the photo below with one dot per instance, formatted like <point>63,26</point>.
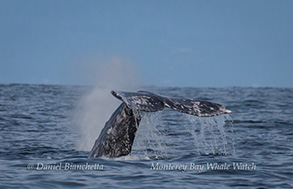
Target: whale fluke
<point>117,136</point>
<point>150,102</point>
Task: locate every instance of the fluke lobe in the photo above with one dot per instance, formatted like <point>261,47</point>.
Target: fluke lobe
<point>117,136</point>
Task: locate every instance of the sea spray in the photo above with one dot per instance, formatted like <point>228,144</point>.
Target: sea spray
<point>97,106</point>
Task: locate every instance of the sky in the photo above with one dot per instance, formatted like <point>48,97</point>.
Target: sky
<point>181,43</point>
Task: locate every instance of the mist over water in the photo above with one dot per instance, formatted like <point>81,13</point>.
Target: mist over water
<point>205,135</point>
<point>97,106</point>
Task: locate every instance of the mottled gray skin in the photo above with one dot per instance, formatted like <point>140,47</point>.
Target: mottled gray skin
<point>116,138</point>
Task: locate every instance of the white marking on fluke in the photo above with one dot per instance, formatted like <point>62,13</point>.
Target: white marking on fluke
<point>117,137</point>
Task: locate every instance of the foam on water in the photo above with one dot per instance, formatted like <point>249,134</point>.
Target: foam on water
<point>131,158</point>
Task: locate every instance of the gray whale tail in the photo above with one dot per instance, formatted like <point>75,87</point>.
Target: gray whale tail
<point>117,136</point>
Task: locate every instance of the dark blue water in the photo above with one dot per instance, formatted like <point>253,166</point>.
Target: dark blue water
<point>39,150</point>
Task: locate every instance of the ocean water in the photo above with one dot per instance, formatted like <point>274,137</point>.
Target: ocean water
<point>250,148</point>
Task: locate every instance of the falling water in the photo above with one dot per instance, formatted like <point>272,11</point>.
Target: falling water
<point>149,140</point>
<point>207,135</point>
<point>212,135</point>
